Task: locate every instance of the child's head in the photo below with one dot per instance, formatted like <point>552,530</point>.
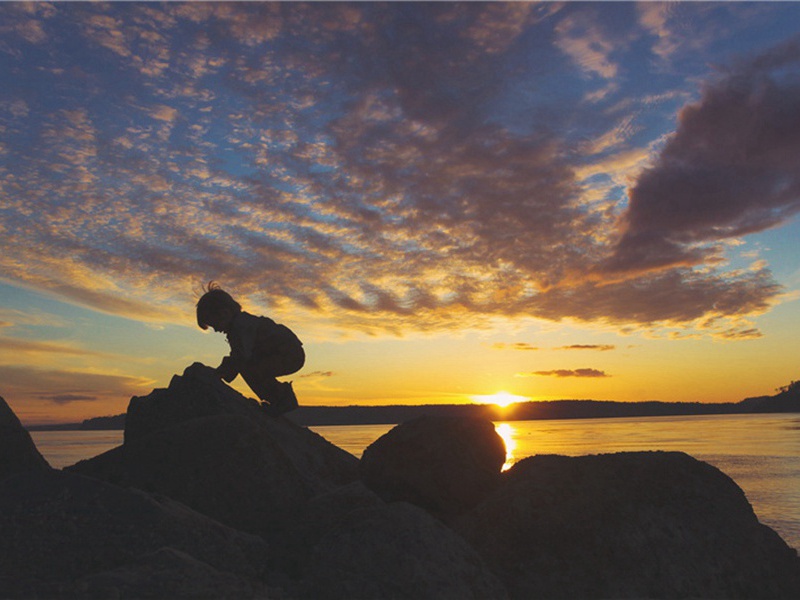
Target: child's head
<point>216,308</point>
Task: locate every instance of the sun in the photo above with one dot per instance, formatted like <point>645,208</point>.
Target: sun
<point>501,399</point>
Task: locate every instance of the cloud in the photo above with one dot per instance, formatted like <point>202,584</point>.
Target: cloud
<point>513,346</point>
<point>581,37</point>
<point>567,373</point>
<point>12,317</point>
<point>60,386</point>
<point>67,398</point>
<point>601,347</point>
<point>18,345</point>
<point>654,17</point>
<point>729,170</point>
<point>316,374</point>
<point>164,113</point>
<point>355,167</point>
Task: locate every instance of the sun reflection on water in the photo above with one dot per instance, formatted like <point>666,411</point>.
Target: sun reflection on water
<point>506,431</point>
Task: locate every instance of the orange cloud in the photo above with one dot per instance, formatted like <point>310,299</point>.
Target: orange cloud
<point>567,373</point>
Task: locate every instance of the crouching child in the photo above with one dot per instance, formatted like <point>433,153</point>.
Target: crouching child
<point>261,349</point>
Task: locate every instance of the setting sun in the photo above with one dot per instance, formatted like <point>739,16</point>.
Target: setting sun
<point>501,399</point>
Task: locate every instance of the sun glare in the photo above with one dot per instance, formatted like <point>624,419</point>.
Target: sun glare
<point>506,431</point>
<point>501,399</point>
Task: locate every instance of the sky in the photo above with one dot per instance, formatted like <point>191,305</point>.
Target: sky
<point>443,200</point>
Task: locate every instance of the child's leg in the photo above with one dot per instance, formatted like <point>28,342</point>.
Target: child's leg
<point>263,385</point>
<point>279,396</point>
<point>261,378</point>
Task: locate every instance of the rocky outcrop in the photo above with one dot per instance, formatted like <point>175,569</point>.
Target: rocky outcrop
<point>349,543</point>
<point>221,466</point>
<point>397,551</point>
<point>629,525</point>
<point>199,392</point>
<point>65,535</point>
<point>221,455</point>
<point>443,464</point>
<point>169,573</point>
<point>18,453</point>
<point>210,497</point>
<point>124,524</point>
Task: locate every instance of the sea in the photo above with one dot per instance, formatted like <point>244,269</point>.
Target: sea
<point>761,453</point>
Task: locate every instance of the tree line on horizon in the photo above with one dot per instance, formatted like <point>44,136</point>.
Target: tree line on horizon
<point>786,400</point>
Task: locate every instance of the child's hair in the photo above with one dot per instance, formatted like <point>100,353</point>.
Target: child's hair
<point>212,302</point>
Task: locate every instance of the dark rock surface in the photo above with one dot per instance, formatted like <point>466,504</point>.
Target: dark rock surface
<point>432,518</point>
<point>196,393</point>
<point>628,525</point>
<point>168,573</point>
<point>228,460</point>
<point>222,466</point>
<point>397,551</point>
<point>351,544</point>
<point>443,464</point>
<point>200,393</point>
<point>59,528</point>
<point>18,453</point>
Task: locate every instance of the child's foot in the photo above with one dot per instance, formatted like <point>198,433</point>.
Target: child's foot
<point>282,401</point>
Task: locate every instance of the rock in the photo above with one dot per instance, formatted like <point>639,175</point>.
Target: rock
<point>443,464</point>
<point>222,466</point>
<point>17,450</point>
<point>60,528</point>
<point>630,525</point>
<point>222,456</point>
<point>167,573</point>
<point>317,517</point>
<point>327,512</point>
<point>396,551</point>
<point>199,392</point>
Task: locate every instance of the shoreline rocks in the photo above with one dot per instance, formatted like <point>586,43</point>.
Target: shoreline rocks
<point>18,453</point>
<point>628,525</point>
<point>61,529</point>
<point>443,464</point>
<point>209,496</point>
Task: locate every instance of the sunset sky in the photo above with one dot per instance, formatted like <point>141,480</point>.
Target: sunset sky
<point>444,201</point>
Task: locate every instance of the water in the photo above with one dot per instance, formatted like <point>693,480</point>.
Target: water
<point>760,452</point>
<point>64,448</point>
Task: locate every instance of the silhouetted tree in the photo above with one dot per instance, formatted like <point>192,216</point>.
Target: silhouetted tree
<point>794,386</point>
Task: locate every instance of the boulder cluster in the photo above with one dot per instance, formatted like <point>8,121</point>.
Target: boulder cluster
<point>209,497</point>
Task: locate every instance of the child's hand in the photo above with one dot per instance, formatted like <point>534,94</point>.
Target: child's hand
<point>227,369</point>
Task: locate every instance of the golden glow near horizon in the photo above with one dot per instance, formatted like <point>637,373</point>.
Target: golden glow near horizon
<point>501,399</point>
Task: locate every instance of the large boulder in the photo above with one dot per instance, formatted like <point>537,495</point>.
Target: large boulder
<point>17,450</point>
<point>199,392</point>
<point>222,456</point>
<point>65,535</point>
<point>630,525</point>
<point>222,466</point>
<point>361,547</point>
<point>443,464</point>
<point>168,573</point>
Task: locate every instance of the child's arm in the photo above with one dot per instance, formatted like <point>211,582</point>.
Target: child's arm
<point>227,370</point>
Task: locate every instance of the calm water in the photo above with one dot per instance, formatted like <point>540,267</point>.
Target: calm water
<point>760,452</point>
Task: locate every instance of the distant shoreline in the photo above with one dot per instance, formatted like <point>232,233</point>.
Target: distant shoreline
<point>788,401</point>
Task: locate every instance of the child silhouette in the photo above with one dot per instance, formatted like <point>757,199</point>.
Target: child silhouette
<point>261,349</point>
